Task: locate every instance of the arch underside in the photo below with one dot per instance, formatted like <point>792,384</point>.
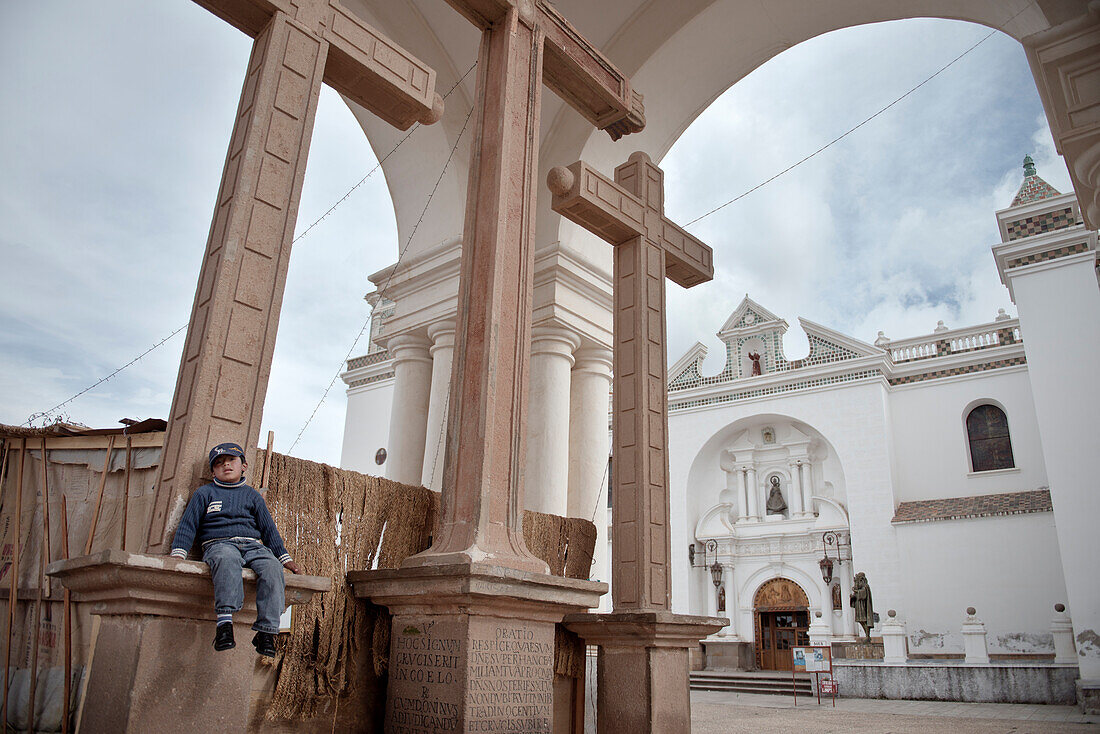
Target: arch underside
<point>680,54</point>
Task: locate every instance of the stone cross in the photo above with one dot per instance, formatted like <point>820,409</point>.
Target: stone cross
<point>629,213</point>
<point>226,359</point>
<point>525,43</point>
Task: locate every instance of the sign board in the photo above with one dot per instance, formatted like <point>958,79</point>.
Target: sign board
<point>828,687</point>
<point>811,659</point>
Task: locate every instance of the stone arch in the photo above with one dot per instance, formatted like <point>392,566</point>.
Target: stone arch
<point>780,593</point>
<point>777,597</point>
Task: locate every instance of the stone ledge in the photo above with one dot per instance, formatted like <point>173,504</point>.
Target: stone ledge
<point>643,628</point>
<point>118,582</point>
<point>486,586</point>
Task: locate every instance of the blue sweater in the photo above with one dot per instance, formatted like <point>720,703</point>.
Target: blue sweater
<point>217,512</point>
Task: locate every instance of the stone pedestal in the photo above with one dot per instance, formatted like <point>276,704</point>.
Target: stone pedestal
<point>1061,629</point>
<point>724,653</point>
<point>893,640</point>
<point>642,683</point>
<point>152,666</point>
<point>472,647</point>
<point>820,632</point>
<point>974,642</point>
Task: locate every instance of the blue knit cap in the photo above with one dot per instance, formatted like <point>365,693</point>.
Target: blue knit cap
<point>225,449</point>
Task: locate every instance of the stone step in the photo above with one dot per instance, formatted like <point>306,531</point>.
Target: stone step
<point>777,683</point>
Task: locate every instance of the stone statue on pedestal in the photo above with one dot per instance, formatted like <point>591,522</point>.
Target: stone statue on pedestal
<point>776,504</point>
<point>862,605</point>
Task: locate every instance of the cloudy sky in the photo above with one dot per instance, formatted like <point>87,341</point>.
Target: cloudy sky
<point>117,114</point>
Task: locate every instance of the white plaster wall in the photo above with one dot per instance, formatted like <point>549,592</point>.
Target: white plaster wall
<point>367,426</point>
<point>929,436</point>
<point>1059,305</point>
<point>1008,568</point>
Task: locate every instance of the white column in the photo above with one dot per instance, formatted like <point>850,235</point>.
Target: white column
<point>1061,628</point>
<point>589,397</point>
<point>442,335</point>
<point>547,475</point>
<point>893,640</point>
<point>807,474</point>
<point>796,490</point>
<point>743,495</point>
<point>712,593</point>
<point>412,383</point>
<point>847,615</point>
<point>731,601</point>
<point>974,642</point>
<point>753,492</point>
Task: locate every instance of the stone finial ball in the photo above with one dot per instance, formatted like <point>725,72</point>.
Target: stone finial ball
<point>560,180</point>
<point>817,614</point>
<point>971,611</point>
<point>891,614</point>
<point>433,115</point>
<point>1059,607</point>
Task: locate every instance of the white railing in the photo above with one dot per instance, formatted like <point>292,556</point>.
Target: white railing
<point>982,336</point>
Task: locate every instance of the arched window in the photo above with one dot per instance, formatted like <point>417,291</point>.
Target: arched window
<point>990,446</point>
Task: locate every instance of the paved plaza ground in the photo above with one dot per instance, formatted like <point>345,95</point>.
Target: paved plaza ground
<point>719,712</point>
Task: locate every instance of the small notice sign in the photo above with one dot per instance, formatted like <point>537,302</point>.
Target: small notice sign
<point>828,687</point>
<point>811,659</point>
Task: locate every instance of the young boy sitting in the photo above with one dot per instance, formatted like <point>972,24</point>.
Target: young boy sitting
<point>236,530</point>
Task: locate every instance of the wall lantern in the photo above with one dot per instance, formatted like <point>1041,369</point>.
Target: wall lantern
<point>716,574</point>
<point>826,563</point>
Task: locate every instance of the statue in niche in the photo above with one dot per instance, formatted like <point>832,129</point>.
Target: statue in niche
<point>755,357</point>
<point>862,605</point>
<point>721,598</point>
<point>776,504</point>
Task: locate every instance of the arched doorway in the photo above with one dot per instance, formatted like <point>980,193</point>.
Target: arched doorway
<point>781,618</point>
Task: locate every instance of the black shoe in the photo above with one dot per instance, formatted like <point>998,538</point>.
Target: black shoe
<point>264,642</point>
<point>223,638</point>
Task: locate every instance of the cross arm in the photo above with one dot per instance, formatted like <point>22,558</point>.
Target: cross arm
<point>579,73</point>
<point>595,202</point>
<point>249,16</point>
<point>603,207</point>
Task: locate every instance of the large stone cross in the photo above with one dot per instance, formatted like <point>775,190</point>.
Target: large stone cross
<point>629,213</point>
<point>525,43</point>
<point>226,359</point>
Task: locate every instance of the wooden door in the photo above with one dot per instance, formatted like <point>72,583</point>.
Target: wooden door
<point>779,632</point>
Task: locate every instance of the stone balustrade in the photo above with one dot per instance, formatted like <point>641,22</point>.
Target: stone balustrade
<point>953,341</point>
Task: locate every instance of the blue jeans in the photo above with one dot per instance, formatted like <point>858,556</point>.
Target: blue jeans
<point>226,558</point>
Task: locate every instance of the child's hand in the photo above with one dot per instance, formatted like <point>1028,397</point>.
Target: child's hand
<point>292,567</point>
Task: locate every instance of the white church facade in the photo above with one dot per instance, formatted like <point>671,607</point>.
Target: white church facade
<point>920,462</point>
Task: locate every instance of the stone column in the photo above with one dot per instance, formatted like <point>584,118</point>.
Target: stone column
<point>753,493</point>
<point>412,386</point>
<point>819,632</point>
<point>711,592</point>
<point>589,397</point>
<point>974,642</point>
<point>442,335</point>
<point>806,470</point>
<point>547,474</point>
<point>731,601</point>
<point>743,495</point>
<point>796,490</point>
<point>154,668</point>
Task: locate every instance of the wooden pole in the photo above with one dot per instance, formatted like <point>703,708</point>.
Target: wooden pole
<point>46,514</point>
<point>267,459</point>
<point>37,637</point>
<point>67,602</point>
<point>99,497</point>
<point>13,595</point>
<point>126,491</point>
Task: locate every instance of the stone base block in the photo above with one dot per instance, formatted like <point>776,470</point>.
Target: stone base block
<point>160,674</point>
<point>153,666</point>
<point>941,681</point>
<point>642,678</point>
<point>1088,696</point>
<point>729,655</point>
<point>472,645</point>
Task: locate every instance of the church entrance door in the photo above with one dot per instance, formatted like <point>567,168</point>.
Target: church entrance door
<point>782,620</point>
<point>780,631</point>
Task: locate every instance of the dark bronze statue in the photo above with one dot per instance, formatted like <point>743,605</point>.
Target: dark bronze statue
<point>776,504</point>
<point>862,605</point>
